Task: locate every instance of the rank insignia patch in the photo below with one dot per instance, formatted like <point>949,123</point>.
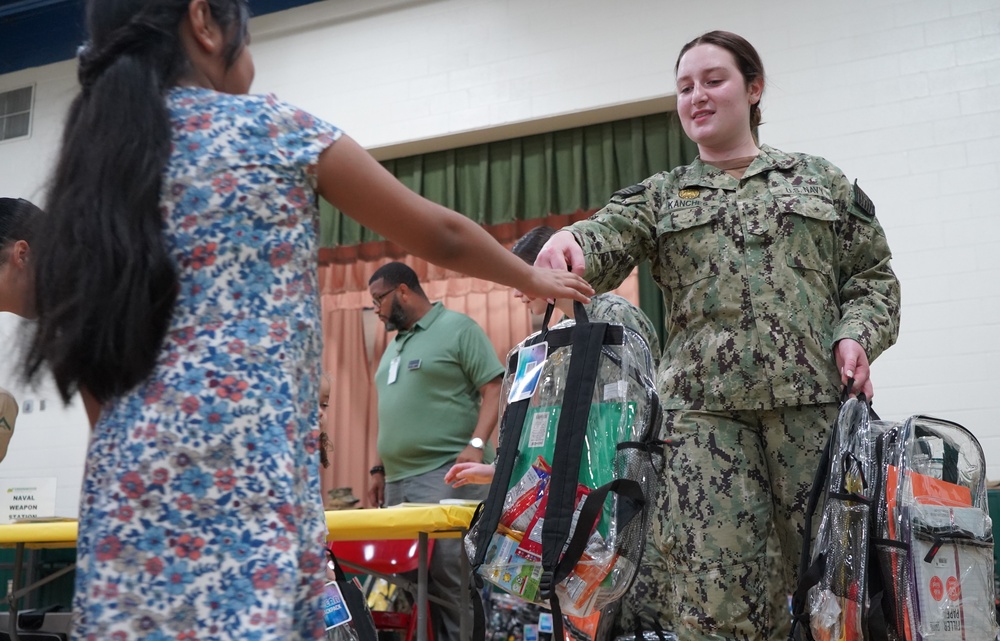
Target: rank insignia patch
<point>862,202</point>
<point>632,190</point>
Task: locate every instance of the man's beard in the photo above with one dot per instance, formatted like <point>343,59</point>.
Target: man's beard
<point>396,319</point>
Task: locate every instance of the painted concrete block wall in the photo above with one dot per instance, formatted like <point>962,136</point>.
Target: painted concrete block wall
<point>50,439</point>
<point>49,442</point>
<point>903,95</point>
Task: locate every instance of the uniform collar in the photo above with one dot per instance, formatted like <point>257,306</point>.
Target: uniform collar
<point>701,174</point>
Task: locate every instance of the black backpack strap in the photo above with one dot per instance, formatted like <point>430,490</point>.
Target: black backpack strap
<point>475,590</point>
<point>571,432</point>
<point>631,502</point>
<point>478,612</point>
<point>489,516</point>
<point>581,379</point>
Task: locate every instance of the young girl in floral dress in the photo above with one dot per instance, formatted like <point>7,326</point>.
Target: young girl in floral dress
<point>176,290</point>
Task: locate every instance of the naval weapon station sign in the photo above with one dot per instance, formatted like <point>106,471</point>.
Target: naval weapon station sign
<point>27,498</point>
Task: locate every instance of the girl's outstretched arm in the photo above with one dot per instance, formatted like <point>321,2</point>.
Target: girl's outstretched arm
<point>359,186</point>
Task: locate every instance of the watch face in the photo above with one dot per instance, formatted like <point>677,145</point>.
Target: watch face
<point>476,443</point>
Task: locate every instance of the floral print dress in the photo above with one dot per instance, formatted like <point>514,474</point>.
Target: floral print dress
<point>201,516</point>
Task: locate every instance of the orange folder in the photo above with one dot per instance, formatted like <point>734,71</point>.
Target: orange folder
<point>927,490</point>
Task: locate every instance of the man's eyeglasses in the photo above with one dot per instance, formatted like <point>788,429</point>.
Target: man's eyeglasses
<point>377,300</point>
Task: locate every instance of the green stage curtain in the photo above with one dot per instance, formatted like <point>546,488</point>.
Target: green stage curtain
<point>556,173</point>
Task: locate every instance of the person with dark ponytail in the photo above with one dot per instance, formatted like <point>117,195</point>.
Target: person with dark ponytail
<point>17,217</point>
<point>175,286</point>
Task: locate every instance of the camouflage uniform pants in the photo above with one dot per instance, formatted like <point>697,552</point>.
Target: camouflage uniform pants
<point>728,477</point>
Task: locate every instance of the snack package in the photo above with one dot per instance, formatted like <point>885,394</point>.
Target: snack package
<point>581,585</point>
<point>531,544</point>
<point>523,499</point>
<point>508,571</point>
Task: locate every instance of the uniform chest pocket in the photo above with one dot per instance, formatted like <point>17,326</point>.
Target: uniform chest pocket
<point>807,233</point>
<point>688,244</point>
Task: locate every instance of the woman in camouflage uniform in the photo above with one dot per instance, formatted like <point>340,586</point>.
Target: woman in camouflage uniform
<point>777,286</point>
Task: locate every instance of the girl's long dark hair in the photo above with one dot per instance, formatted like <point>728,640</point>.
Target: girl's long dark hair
<point>104,283</point>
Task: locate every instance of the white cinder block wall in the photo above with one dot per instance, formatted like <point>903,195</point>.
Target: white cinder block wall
<point>902,95</point>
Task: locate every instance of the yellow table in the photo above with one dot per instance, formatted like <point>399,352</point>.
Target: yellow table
<point>39,534</point>
<point>410,521</point>
<point>405,521</point>
<point>401,522</point>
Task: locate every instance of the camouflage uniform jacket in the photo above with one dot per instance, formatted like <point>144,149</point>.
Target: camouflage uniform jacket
<point>760,277</point>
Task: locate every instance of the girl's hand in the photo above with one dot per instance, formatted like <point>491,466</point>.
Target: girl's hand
<point>464,473</point>
<point>550,284</point>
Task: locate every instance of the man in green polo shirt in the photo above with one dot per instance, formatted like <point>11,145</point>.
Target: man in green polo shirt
<point>438,397</point>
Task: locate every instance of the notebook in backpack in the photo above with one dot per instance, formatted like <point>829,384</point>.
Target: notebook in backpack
<point>565,520</point>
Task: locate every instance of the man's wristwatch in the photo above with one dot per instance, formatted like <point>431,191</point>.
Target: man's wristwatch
<point>378,469</point>
<point>477,443</point>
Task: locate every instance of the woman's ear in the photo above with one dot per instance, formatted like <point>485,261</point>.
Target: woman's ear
<point>755,90</point>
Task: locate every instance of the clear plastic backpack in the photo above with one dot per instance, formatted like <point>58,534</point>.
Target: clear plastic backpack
<point>904,550</point>
<point>567,513</point>
<point>934,533</point>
